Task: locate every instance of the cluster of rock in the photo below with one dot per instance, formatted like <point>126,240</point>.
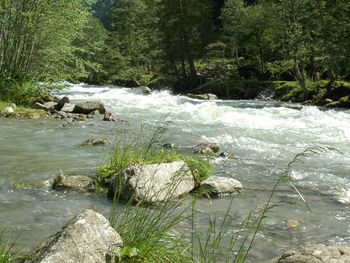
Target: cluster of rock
<point>315,253</point>
<point>206,148</point>
<point>89,237</point>
<point>152,183</point>
<point>63,108</point>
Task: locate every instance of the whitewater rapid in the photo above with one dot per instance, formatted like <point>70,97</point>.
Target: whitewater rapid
<point>262,136</point>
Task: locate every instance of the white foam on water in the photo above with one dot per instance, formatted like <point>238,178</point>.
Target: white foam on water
<point>261,130</point>
<point>323,125</point>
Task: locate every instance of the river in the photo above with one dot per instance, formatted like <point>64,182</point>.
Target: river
<point>263,137</point>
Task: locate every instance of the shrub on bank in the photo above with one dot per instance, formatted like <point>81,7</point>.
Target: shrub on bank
<point>25,93</point>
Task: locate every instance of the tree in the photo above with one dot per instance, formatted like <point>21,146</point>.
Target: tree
<point>131,45</point>
<point>37,41</point>
<point>335,38</point>
<point>185,29</point>
<point>299,29</point>
<point>232,16</point>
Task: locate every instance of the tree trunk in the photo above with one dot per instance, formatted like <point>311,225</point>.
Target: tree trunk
<point>300,76</point>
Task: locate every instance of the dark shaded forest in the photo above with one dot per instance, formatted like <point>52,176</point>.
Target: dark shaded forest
<point>184,44</point>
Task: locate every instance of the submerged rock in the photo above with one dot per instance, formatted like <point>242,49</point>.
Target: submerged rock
<point>87,238</point>
<point>169,145</point>
<point>226,155</point>
<point>95,142</point>
<point>217,186</point>
<point>292,223</point>
<point>108,116</point>
<point>315,253</point>
<point>204,96</point>
<point>89,106</point>
<point>80,183</point>
<point>154,182</point>
<point>207,148</point>
<point>145,90</point>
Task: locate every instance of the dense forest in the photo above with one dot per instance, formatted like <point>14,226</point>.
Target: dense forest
<point>187,42</point>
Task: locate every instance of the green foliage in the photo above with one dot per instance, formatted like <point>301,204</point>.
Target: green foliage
<point>280,69</point>
<point>132,154</point>
<point>41,42</point>
<point>234,89</point>
<point>201,169</point>
<point>133,151</point>
<point>130,47</point>
<point>25,93</point>
<point>316,92</point>
<point>6,250</point>
<point>154,234</point>
<point>288,91</point>
<point>23,186</point>
<point>127,254</point>
<point>149,233</point>
<point>144,41</point>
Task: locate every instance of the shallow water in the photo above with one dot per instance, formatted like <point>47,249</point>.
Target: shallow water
<point>263,137</point>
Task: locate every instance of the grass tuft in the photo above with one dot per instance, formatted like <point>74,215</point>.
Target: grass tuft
<point>6,250</point>
<point>127,153</point>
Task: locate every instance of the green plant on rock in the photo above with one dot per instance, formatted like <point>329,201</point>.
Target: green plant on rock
<point>135,152</point>
<point>200,168</point>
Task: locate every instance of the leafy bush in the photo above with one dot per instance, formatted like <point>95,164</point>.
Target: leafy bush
<point>26,93</point>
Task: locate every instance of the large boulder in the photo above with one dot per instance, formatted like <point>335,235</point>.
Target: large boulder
<point>87,238</point>
<point>96,142</point>
<point>218,186</point>
<point>67,107</point>
<point>61,103</point>
<point>89,106</point>
<point>315,253</point>
<point>8,111</point>
<point>48,106</point>
<point>153,182</point>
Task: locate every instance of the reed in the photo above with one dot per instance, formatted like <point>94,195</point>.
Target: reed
<point>157,233</point>
<point>7,251</point>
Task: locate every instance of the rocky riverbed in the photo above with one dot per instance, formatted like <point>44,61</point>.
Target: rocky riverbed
<point>262,138</point>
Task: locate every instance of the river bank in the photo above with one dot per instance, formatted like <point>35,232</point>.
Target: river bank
<point>319,93</point>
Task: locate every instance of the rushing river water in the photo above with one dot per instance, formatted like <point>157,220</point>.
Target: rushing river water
<point>263,136</point>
